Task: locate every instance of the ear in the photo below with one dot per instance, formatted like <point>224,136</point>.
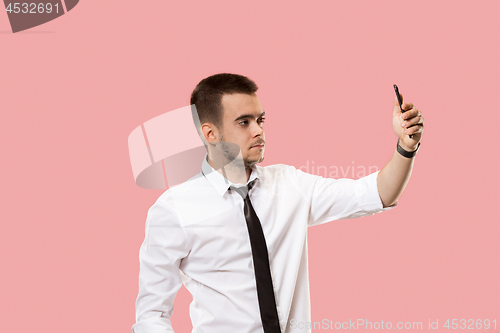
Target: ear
<point>210,133</point>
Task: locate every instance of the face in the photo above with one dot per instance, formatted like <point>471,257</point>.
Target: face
<point>242,124</point>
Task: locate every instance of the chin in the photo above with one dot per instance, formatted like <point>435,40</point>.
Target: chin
<point>249,162</point>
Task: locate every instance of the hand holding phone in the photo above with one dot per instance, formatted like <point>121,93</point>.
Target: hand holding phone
<point>400,101</point>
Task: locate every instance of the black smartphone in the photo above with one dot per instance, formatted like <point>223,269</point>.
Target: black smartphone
<point>400,102</point>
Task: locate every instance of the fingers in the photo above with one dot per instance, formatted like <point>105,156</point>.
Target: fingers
<point>414,129</point>
<point>407,106</point>
<point>410,113</point>
<point>414,122</point>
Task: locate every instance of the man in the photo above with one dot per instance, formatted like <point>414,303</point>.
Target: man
<point>235,234</point>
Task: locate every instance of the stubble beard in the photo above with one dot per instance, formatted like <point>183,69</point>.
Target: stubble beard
<point>250,163</point>
<point>231,153</point>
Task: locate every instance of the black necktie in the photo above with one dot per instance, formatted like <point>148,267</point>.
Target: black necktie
<point>265,291</point>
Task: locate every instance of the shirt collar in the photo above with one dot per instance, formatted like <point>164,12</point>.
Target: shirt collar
<point>218,181</point>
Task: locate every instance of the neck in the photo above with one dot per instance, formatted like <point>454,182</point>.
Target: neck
<point>233,170</point>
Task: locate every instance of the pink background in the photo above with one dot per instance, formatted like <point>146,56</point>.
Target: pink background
<point>73,89</point>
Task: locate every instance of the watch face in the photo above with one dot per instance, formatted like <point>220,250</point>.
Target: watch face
<point>26,15</point>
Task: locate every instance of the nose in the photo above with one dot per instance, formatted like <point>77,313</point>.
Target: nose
<point>257,129</point>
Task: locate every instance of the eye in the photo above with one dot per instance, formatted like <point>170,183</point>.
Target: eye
<point>243,122</point>
<point>261,120</point>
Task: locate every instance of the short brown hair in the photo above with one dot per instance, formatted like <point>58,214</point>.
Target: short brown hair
<point>207,95</point>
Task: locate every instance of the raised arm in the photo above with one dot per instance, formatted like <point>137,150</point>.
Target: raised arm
<point>393,178</point>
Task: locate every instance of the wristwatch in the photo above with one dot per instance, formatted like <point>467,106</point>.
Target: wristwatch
<point>405,153</point>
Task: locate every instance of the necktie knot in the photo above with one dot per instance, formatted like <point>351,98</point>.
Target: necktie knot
<point>243,190</point>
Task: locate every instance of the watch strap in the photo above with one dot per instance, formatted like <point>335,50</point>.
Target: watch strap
<point>405,153</point>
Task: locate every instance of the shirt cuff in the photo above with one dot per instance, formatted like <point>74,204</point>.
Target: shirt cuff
<point>368,195</point>
<point>153,325</point>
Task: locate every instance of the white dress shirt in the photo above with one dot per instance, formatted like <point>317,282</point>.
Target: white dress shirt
<point>196,234</point>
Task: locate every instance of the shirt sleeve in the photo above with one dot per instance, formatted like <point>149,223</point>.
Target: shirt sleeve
<point>334,199</point>
<point>165,245</point>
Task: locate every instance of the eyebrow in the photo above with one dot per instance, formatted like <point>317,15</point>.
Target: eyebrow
<point>243,116</point>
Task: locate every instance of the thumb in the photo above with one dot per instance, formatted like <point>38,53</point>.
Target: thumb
<point>396,102</point>
<point>397,108</point>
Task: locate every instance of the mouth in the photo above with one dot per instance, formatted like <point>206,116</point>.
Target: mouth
<point>257,147</point>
